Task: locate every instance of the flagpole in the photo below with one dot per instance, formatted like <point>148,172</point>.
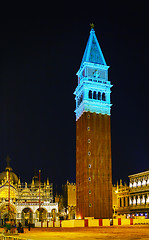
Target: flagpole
<point>39,192</point>
<point>9,195</point>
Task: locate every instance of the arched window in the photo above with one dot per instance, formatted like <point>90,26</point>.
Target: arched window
<point>94,95</point>
<point>103,97</point>
<point>99,95</point>
<point>90,94</point>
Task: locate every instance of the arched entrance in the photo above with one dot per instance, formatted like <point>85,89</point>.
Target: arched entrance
<point>7,213</point>
<point>41,214</point>
<point>27,216</point>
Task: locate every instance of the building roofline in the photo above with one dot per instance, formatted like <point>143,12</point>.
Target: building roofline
<point>139,174</point>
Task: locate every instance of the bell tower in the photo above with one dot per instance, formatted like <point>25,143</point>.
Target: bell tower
<point>93,134</point>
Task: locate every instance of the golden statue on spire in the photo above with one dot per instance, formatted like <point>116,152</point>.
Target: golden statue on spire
<point>92,25</point>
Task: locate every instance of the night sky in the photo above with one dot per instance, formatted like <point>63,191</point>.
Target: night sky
<point>40,54</point>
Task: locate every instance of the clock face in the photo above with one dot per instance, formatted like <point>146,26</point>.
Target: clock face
<point>96,73</point>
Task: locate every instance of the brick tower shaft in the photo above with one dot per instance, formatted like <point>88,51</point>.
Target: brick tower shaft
<point>93,164</point>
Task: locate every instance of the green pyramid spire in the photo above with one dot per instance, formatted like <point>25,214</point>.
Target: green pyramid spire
<point>93,53</point>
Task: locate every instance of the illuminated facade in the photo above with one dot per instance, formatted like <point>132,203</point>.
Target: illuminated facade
<point>67,201</point>
<point>25,202</point>
<point>93,135</point>
<point>139,194</point>
<point>71,198</point>
<point>132,200</point>
<point>120,198</point>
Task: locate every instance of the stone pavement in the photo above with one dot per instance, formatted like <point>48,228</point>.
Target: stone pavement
<point>112,233</point>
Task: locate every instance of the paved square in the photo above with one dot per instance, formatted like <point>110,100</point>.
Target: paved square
<point>112,233</point>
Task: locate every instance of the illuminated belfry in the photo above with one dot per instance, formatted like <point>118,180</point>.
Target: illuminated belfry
<point>93,134</point>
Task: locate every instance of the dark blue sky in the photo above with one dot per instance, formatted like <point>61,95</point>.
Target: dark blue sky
<point>40,53</point>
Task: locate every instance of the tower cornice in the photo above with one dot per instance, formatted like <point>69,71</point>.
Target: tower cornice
<point>92,65</point>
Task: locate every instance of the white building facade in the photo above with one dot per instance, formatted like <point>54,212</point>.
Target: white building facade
<point>139,194</point>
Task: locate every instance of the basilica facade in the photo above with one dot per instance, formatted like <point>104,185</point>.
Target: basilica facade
<point>25,202</point>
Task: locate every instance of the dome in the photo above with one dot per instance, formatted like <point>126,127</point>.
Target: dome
<point>5,174</point>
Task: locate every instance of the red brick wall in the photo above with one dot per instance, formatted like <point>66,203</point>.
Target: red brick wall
<point>98,203</point>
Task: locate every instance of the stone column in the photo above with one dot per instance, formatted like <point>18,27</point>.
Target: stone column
<point>86,94</point>
<point>18,217</point>
<point>143,199</point>
<point>118,202</point>
<point>130,201</point>
<point>34,218</point>
<point>134,200</point>
<point>48,216</point>
<point>122,202</point>
<point>147,199</point>
<point>126,201</point>
<point>138,200</point>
